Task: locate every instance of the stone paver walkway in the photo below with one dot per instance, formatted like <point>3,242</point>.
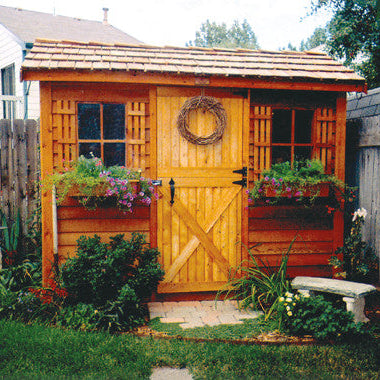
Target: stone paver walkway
<point>192,314</point>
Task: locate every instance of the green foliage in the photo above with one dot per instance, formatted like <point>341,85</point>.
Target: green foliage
<point>114,277</point>
<point>256,284</point>
<point>212,34</point>
<point>355,34</point>
<point>356,260</point>
<point>299,182</point>
<point>317,317</point>
<point>319,37</point>
<point>100,186</point>
<point>10,240</point>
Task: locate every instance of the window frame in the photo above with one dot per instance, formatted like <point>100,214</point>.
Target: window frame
<point>292,144</point>
<point>103,141</point>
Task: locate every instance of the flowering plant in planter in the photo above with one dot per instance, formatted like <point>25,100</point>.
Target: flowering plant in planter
<point>99,186</point>
<point>303,181</point>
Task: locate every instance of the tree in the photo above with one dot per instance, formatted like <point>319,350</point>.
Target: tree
<point>319,37</point>
<point>212,34</point>
<point>355,34</point>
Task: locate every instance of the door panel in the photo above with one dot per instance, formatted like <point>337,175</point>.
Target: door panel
<point>199,234</point>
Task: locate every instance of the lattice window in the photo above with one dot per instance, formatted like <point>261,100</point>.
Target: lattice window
<point>324,137</point>
<point>288,134</point>
<point>113,132</point>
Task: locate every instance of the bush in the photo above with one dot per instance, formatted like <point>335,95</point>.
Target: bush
<point>115,278</point>
<point>318,317</point>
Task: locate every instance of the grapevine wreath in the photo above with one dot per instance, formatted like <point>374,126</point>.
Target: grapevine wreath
<point>205,103</point>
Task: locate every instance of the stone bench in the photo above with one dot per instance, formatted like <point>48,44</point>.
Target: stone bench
<point>353,292</point>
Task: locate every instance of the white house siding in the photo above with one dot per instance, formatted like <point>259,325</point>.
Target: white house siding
<point>11,52</point>
<point>33,100</point>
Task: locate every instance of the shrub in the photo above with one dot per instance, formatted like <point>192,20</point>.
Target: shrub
<point>115,278</point>
<point>318,317</point>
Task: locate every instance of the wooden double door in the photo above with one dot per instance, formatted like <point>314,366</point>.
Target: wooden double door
<point>200,218</point>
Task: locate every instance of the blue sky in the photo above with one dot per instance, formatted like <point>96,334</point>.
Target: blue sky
<point>174,22</point>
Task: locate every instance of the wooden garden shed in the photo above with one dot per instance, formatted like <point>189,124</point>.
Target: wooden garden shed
<point>278,105</point>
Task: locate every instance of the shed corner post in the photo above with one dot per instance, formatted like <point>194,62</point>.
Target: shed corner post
<point>46,151</point>
<point>340,163</point>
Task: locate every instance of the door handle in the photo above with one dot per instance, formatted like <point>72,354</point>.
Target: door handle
<point>172,190</point>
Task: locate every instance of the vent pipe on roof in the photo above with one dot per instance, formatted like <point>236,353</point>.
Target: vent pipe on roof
<point>105,17</point>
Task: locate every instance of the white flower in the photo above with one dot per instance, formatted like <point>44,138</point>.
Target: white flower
<point>281,299</point>
<point>359,213</point>
<point>288,300</point>
<point>287,308</point>
<point>289,294</point>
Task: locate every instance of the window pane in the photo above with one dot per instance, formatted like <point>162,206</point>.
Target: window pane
<point>114,121</point>
<point>280,154</point>
<point>86,148</point>
<point>302,128</point>
<point>114,154</point>
<point>89,121</point>
<point>282,126</point>
<point>302,153</point>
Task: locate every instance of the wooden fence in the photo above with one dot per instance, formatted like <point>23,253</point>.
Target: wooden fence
<point>19,168</point>
<point>368,170</point>
<point>364,172</point>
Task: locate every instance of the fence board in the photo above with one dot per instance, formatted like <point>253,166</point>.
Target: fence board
<point>19,165</point>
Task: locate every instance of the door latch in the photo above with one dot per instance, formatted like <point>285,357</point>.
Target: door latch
<point>172,190</point>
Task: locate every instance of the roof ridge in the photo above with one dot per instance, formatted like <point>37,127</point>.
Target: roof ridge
<point>300,54</point>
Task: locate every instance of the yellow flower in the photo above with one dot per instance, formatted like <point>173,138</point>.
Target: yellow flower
<point>281,299</point>
<point>290,313</point>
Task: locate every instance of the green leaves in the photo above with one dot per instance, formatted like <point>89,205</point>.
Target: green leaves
<point>113,277</point>
<point>212,34</point>
<point>256,284</point>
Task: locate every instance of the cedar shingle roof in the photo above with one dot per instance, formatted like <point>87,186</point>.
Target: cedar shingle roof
<point>65,55</point>
<point>29,25</point>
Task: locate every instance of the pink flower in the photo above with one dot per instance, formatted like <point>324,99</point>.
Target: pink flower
<point>288,189</point>
<point>298,194</point>
<point>266,178</point>
<point>260,190</point>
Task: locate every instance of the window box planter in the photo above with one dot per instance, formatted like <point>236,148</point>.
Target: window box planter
<point>320,190</point>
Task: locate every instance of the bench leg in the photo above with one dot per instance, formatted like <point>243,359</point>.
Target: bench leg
<point>356,305</point>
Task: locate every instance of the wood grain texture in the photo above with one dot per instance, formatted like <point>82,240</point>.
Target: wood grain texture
<point>199,235</point>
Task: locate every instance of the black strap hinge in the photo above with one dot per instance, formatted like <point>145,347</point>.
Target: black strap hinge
<point>242,171</point>
<point>242,182</point>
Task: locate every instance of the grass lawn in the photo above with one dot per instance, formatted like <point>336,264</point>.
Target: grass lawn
<point>40,352</point>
